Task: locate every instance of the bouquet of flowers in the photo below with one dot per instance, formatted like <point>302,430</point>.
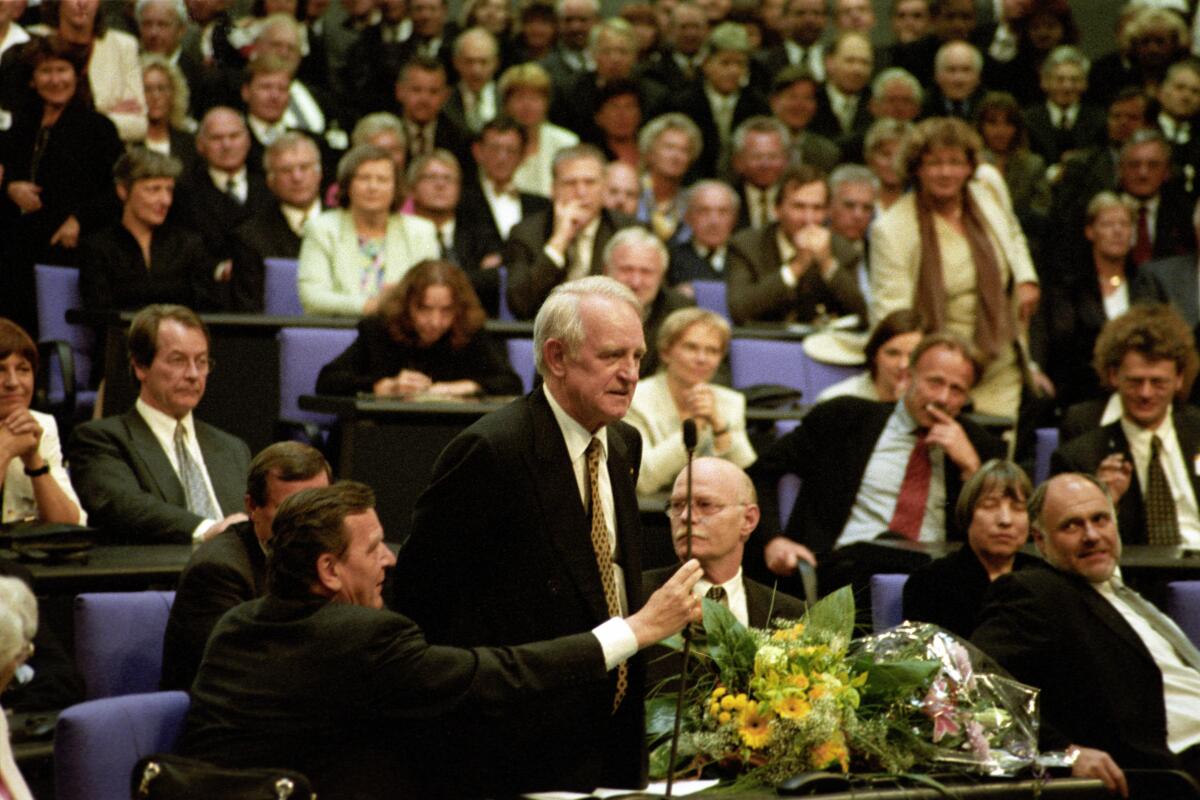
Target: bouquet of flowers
<point>766,705</point>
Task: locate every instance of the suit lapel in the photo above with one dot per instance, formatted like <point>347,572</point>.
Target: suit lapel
<point>1187,431</point>
<point>566,523</point>
<point>1103,610</point>
<point>158,466</point>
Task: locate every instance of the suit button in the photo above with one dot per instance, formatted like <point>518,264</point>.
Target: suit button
<point>552,586</point>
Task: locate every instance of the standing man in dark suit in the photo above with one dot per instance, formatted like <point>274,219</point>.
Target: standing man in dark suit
<point>293,166</point>
<point>1119,680</point>
<point>155,473</point>
<point>491,206</point>
<point>854,457</point>
<point>788,270</point>
<point>422,91</point>
<point>355,694</point>
<point>724,513</point>
<point>533,511</point>
<point>1180,276</point>
<point>1147,458</point>
<point>1063,123</point>
<point>232,568</point>
<point>567,241</point>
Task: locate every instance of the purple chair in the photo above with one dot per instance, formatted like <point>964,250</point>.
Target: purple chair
<point>1183,606</point>
<point>711,295</point>
<point>302,353</point>
<point>281,290</point>
<point>98,743</point>
<point>887,600</point>
<point>820,376</point>
<point>58,291</point>
<point>119,641</point>
<point>1046,443</point>
<point>755,361</point>
<point>504,312</point>
<point>520,355</point>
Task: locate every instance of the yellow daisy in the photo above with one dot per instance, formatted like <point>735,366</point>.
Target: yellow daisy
<point>754,726</point>
<point>793,707</point>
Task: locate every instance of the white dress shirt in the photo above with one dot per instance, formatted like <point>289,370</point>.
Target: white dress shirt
<point>505,205</point>
<point>735,595</point>
<point>1177,466</point>
<point>163,427</point>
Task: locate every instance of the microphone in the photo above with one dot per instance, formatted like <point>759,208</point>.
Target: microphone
<point>689,444</point>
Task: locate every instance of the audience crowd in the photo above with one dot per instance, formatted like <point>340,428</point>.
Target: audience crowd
<point>1008,227</point>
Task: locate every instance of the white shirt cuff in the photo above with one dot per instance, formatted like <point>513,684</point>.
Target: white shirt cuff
<point>789,277</point>
<point>201,529</point>
<point>558,258</point>
<point>616,640</point>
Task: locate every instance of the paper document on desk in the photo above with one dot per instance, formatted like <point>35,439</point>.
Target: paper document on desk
<point>680,789</point>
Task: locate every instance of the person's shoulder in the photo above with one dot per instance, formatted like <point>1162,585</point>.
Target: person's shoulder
<point>413,225</point>
<point>533,225</point>
<point>116,424</point>
<point>228,547</point>
<point>849,406</point>
<point>118,39</point>
<point>225,437</point>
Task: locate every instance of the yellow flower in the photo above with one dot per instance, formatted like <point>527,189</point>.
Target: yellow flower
<point>830,752</point>
<point>728,702</point>
<point>718,692</point>
<point>754,726</point>
<point>724,717</point>
<point>714,709</point>
<point>793,707</point>
<point>799,680</point>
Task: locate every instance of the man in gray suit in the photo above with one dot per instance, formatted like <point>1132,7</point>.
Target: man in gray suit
<point>155,474</point>
<point>1180,276</point>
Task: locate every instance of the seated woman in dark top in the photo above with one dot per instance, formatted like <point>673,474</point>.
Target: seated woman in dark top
<point>144,258</point>
<point>949,592</point>
<point>427,338</point>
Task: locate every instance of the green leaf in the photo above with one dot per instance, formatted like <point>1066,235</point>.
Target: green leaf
<point>833,613</point>
<point>730,644</point>
<point>660,757</point>
<point>885,680</point>
<point>660,716</point>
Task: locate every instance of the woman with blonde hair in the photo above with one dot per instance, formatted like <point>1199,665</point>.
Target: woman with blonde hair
<point>525,96</point>
<point>18,626</point>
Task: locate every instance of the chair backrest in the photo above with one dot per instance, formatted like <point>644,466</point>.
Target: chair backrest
<point>1045,444</point>
<point>887,600</point>
<point>520,355</point>
<point>819,376</point>
<point>503,311</point>
<point>281,291</point>
<point>711,295</point>
<point>98,743</point>
<point>119,641</point>
<point>789,490</point>
<point>302,353</point>
<point>755,361</point>
<point>1183,606</point>
<point>58,291</point>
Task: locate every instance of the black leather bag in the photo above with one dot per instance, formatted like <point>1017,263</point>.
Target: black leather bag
<point>170,777</point>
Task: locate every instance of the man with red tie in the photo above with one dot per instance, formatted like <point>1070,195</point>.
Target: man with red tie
<point>872,469</point>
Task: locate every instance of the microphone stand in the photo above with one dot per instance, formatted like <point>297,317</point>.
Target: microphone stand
<point>689,443</point>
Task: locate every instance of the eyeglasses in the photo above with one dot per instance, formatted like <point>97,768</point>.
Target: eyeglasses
<point>701,508</point>
<point>177,362</point>
<point>1136,383</point>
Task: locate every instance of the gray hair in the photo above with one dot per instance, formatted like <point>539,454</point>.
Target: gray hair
<point>615,26</point>
<point>288,141</point>
<point>671,121</point>
<point>726,37</point>
<point>559,316</point>
<point>375,124</point>
<point>18,618</point>
<point>476,33</point>
<point>177,6</point>
<point>574,153</point>
<point>976,56</point>
<point>845,174</point>
<point>1065,54</point>
<point>896,74</point>
<point>442,156</point>
<point>1145,136</point>
<point>711,183</point>
<point>761,124</point>
<point>636,236</point>
<point>885,130</point>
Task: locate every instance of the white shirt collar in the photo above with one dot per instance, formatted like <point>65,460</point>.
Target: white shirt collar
<point>162,425</point>
<point>575,435</point>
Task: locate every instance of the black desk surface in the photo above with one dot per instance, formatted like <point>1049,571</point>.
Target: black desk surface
<point>114,566</point>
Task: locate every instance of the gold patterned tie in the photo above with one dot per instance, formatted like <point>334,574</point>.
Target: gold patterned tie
<point>1162,526</point>
<point>604,558</point>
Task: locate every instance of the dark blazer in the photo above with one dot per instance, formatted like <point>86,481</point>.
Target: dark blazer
<point>350,696</point>
<point>206,209</point>
<point>763,604</point>
<point>113,273</point>
<point>1100,687</point>
<point>576,102</point>
<point>687,265</point>
<point>949,591</point>
<point>1050,143</point>
<point>128,487</point>
<point>222,573</point>
<point>1070,317</point>
<point>447,135</point>
<point>827,124</point>
<point>559,68</point>
<point>694,103</point>
<point>502,515</point>
<point>531,273</point>
<point>829,451</point>
<point>810,147</point>
<point>757,292</point>
<point>1084,454</point>
<point>1080,419</point>
<point>264,235</point>
<point>1178,276</point>
<point>936,104</point>
<point>481,236</point>
<point>375,355</point>
<point>367,78</point>
<point>182,146</point>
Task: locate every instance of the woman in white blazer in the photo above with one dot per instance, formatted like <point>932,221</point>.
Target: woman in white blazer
<point>36,486</point>
<point>350,255</point>
<point>691,344</point>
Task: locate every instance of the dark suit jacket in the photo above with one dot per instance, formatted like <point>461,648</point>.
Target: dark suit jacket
<point>936,104</point>
<point>694,103</point>
<point>350,696</point>
<point>531,273</point>
<point>810,147</point>
<point>113,274</point>
<point>686,265</point>
<point>1178,276</point>
<point>1084,454</point>
<point>481,237</point>
<point>949,591</point>
<point>757,292</point>
<point>128,487</point>
<point>829,451</point>
<point>222,573</point>
<point>763,604</point>
<point>558,68</point>
<point>206,209</point>
<point>575,103</point>
<point>264,235</point>
<point>368,77</point>
<point>827,124</point>
<point>1050,143</point>
<point>1100,687</point>
<point>503,516</point>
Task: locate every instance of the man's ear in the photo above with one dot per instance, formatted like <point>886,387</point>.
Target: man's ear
<point>328,575</point>
<point>554,353</point>
<point>750,518</point>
